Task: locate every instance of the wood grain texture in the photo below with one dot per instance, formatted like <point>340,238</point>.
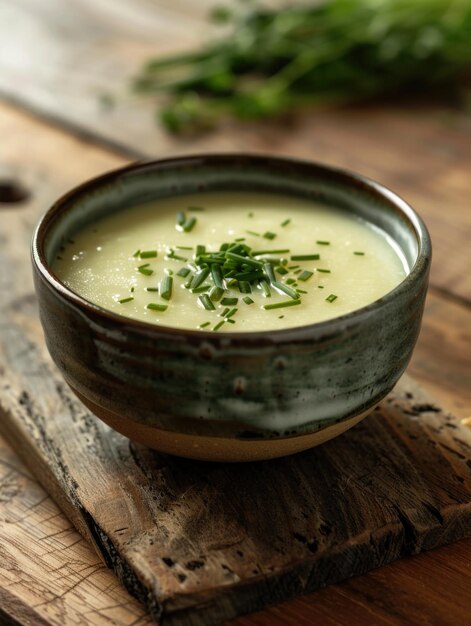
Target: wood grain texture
<point>48,574</point>
<point>193,496</point>
<point>59,62</point>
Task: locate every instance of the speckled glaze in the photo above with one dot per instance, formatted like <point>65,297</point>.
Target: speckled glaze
<point>261,391</point>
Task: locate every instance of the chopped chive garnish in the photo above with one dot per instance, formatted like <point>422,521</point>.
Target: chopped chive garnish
<point>286,222</point>
<point>268,267</point>
<point>148,254</point>
<point>152,288</point>
<point>195,208</point>
<point>240,239</point>
<point>247,300</point>
<point>232,282</point>
<point>359,253</point>
<point>280,317</point>
<point>132,289</point>
<point>230,321</point>
<point>281,270</point>
<point>229,301</point>
<point>305,275</point>
<point>204,324</point>
<point>144,269</point>
<point>184,271</point>
<point>231,313</point>
<point>305,257</point>
<point>301,291</point>
<point>320,286</point>
<point>251,232</point>
<point>331,298</point>
<point>206,302</point>
<point>323,271</point>
<point>296,272</point>
<point>168,272</point>
<point>244,259</point>
<point>175,257</point>
<point>290,281</point>
<point>184,247</point>
<point>280,305</point>
<point>219,324</point>
<point>136,254</point>
<point>216,273</point>
<point>216,293</point>
<point>165,287</point>
<point>224,313</point>
<point>269,235</point>
<point>189,224</point>
<point>201,289</point>
<point>123,300</point>
<point>199,278</point>
<point>200,250</point>
<point>289,291</point>
<point>157,307</point>
<point>281,251</point>
<point>244,287</point>
<point>323,243</point>
<point>265,288</point>
<point>293,267</point>
<point>180,218</point>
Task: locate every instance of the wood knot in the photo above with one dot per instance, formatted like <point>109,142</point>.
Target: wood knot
<point>12,192</point>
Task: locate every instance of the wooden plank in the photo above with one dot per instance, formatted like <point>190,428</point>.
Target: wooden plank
<point>29,370</point>
<point>48,573</point>
<point>422,151</point>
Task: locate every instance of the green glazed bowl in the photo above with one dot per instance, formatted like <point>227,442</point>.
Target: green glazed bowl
<point>231,396</point>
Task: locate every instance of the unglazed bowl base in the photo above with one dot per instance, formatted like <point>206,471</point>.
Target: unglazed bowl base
<point>220,449</point>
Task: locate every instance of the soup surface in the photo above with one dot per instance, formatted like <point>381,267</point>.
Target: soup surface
<point>289,262</point>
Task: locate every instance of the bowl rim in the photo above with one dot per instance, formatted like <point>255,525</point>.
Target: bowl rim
<point>329,327</point>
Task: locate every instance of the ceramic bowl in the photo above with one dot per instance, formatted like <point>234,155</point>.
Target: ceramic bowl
<point>231,396</point>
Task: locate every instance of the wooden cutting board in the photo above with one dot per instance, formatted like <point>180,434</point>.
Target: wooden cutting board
<point>200,542</point>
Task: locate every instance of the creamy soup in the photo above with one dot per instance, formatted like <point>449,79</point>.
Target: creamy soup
<point>231,262</point>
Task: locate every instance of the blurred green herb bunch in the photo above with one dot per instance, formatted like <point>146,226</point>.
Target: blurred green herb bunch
<point>271,61</point>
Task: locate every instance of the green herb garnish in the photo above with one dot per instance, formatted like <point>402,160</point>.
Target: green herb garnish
<point>264,252</point>
<point>286,222</point>
<point>331,298</point>
<point>247,300</point>
<point>305,275</point>
<point>229,301</point>
<point>153,306</point>
<point>206,302</point>
<point>216,293</point>
<point>204,325</point>
<point>183,272</point>
<point>305,257</point>
<point>280,305</point>
<point>145,269</point>
<point>323,271</point>
<point>124,300</point>
<point>148,254</point>
<point>269,235</point>
<point>219,324</point>
<point>189,224</point>
<point>323,243</point>
<point>359,253</point>
<point>165,287</point>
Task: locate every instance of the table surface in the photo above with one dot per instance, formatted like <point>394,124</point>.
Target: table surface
<point>54,64</point>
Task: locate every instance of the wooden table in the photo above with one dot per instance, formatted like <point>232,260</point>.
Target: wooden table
<point>54,133</point>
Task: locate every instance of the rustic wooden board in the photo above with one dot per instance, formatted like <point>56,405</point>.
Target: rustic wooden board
<point>48,572</point>
<point>59,62</point>
<point>416,494</point>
